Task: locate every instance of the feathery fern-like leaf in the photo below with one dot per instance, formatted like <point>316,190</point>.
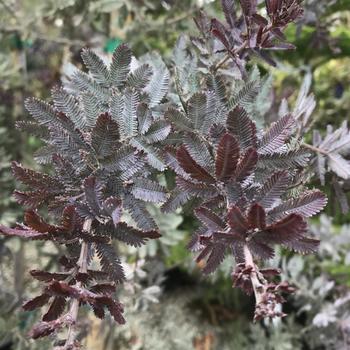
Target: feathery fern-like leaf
<point>69,105</point>
<point>120,66</point>
<point>276,136</point>
<point>240,125</point>
<point>306,205</point>
<point>148,191</point>
<point>158,131</point>
<point>110,262</point>
<point>192,167</point>
<point>226,157</point>
<point>105,136</point>
<point>273,189</point>
<point>96,66</point>
<point>140,77</point>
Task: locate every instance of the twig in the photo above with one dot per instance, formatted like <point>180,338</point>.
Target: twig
<point>257,285</point>
<point>315,149</point>
<point>233,53</point>
<point>73,312</point>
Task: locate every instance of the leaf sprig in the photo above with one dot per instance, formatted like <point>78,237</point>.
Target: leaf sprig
<point>111,131</point>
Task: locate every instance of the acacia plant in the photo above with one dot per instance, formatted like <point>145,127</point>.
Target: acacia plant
<point>102,143</point>
<point>110,132</point>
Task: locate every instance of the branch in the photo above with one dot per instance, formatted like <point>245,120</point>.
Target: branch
<point>267,294</point>
<point>257,285</point>
<point>73,312</point>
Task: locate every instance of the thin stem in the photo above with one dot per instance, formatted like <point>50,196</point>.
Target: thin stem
<point>74,309</point>
<point>315,149</point>
<point>221,63</point>
<point>257,285</point>
<point>233,53</point>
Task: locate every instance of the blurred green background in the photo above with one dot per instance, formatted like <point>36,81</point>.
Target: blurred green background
<point>169,304</point>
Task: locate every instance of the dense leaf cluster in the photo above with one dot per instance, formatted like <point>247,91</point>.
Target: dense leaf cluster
<point>101,137</point>
<point>109,133</point>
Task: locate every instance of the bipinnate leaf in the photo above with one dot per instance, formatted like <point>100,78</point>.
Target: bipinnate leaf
<point>228,7</point>
<point>113,207</point>
<point>306,205</point>
<point>126,160</point>
<point>196,189</point>
<point>257,216</point>
<point>191,167</point>
<point>148,191</point>
<point>246,164</point>
<point>105,136</point>
<point>115,308</point>
<point>210,219</point>
<point>173,163</point>
<point>246,96</point>
<point>110,262</point>
<point>34,179</point>
<point>178,119</point>
<point>140,77</point>
<point>127,234</point>
<point>273,189</point>
<point>129,117</point>
<point>103,288</point>
<point>120,66</point>
<point>249,7</point>
<point>216,257</point>
<point>304,245</point>
<point>24,232</point>
<point>34,221</point>
<point>96,66</point>
<point>237,221</point>
<point>31,200</point>
<point>43,329</point>
<point>46,276</point>
<point>144,117</point>
<point>93,194</point>
<point>158,131</point>
<point>216,132</point>
<point>197,109</point>
<point>55,310</point>
<point>240,125</point>
<point>36,302</point>
<point>58,123</point>
<point>199,151</point>
<point>290,229</point>
<point>41,111</point>
<point>261,250</point>
<point>158,86</point>
<point>339,165</point>
<point>291,159</point>
<point>276,136</point>
<point>133,236</point>
<point>153,155</point>
<point>69,105</point>
<point>138,211</point>
<point>226,157</point>
<point>84,84</point>
<point>219,31</point>
<point>175,201</point>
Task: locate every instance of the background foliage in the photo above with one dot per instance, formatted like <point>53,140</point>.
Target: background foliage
<point>38,41</point>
